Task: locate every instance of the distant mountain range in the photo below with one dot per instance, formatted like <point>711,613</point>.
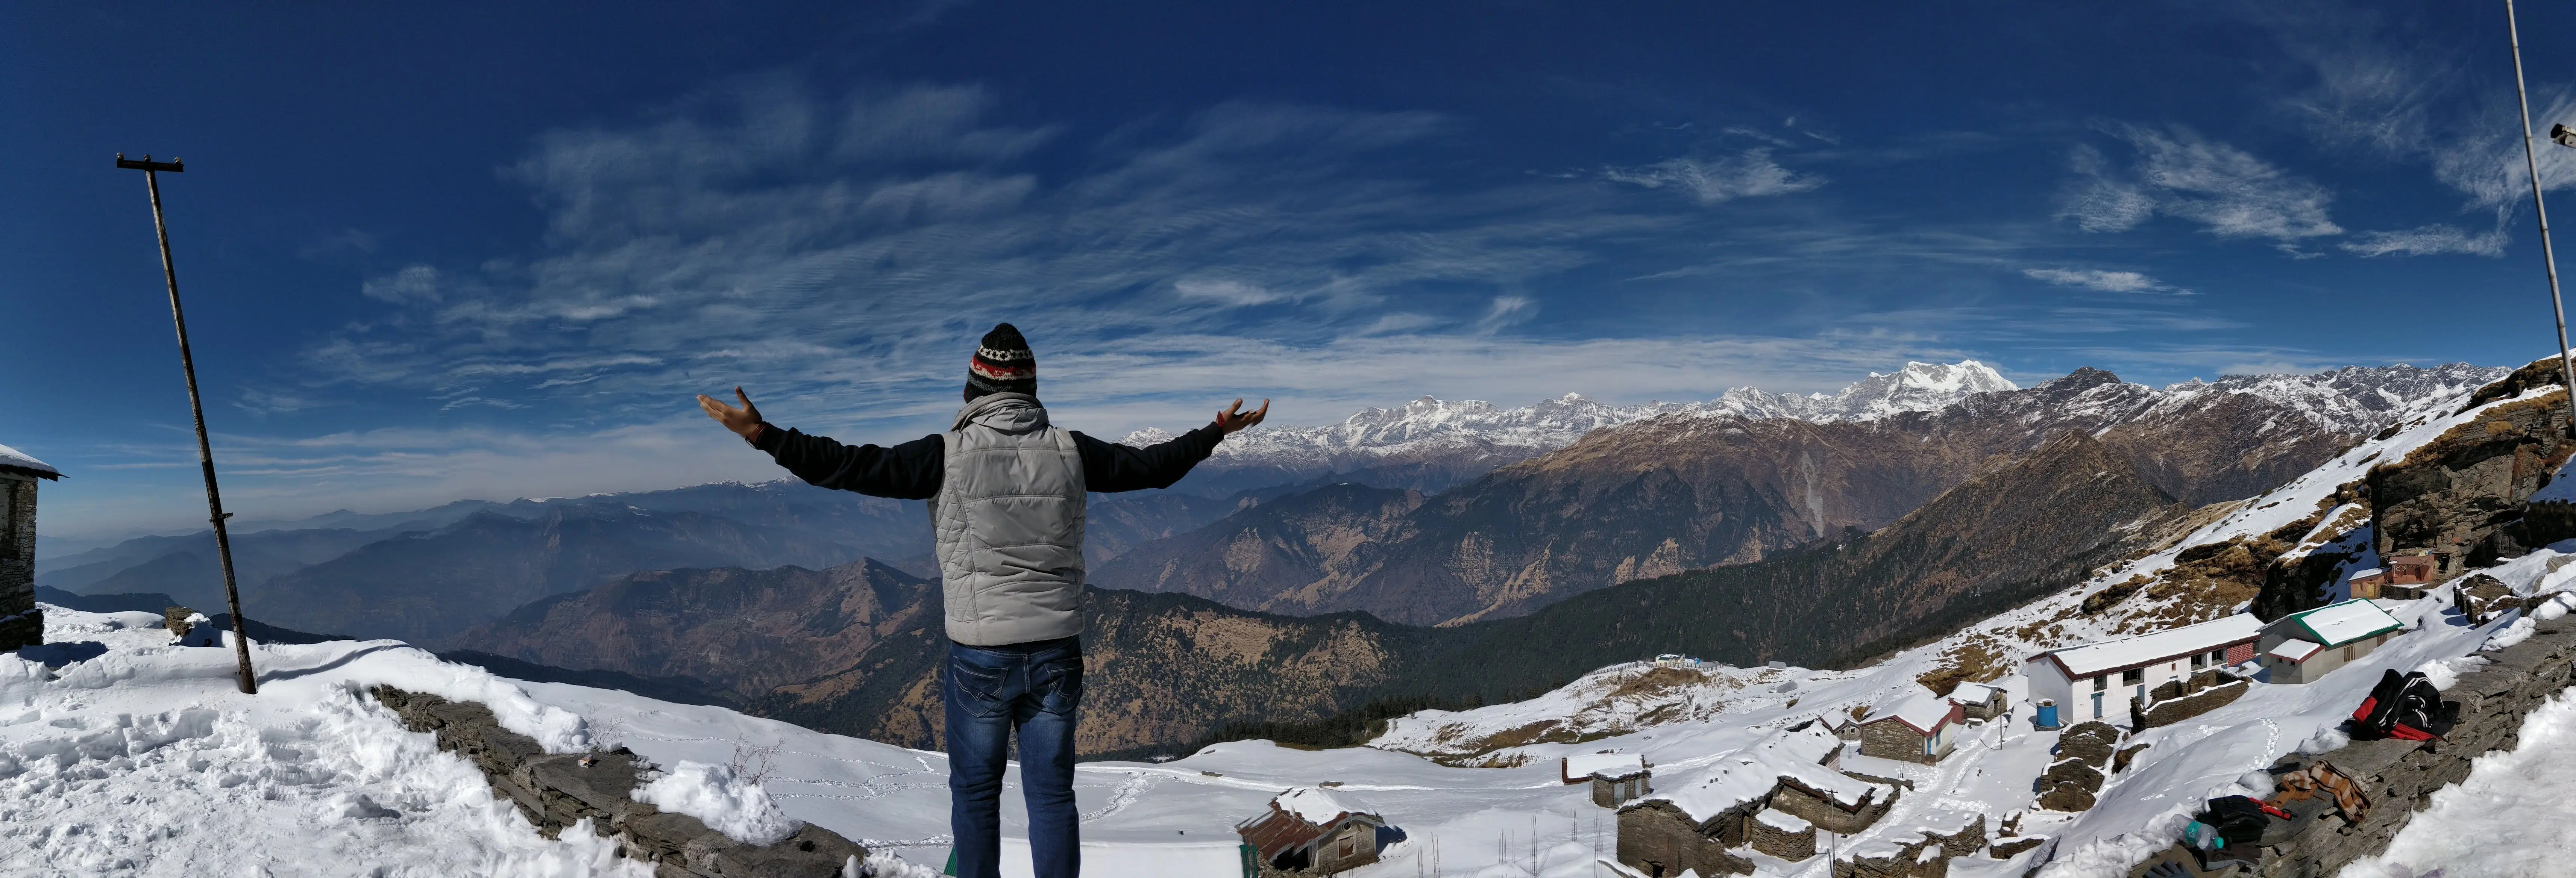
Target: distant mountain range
<point>1434,513</point>
<point>1709,485</point>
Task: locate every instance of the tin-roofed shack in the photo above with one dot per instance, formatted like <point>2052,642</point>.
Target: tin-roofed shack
<point>21,624</point>
<point>2090,682</point>
<point>1309,828</point>
<point>2301,647</point>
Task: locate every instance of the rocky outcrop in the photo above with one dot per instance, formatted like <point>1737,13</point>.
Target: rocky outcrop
<point>2083,750</point>
<point>556,791</point>
<point>2459,498</point>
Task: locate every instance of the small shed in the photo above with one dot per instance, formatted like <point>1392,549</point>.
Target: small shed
<point>1309,828</point>
<point>1979,701</point>
<point>1615,777</point>
<point>1920,728</point>
<point>2301,647</point>
<point>2365,584</point>
<point>21,624</point>
<point>2412,570</point>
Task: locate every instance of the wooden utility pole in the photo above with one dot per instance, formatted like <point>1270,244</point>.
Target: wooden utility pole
<point>205,452</point>
<point>2549,257</point>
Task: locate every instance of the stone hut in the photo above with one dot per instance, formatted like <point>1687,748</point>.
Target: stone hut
<point>1979,701</point>
<point>1308,828</point>
<point>1768,797</point>
<point>1615,777</point>
<point>1920,728</point>
<point>21,624</point>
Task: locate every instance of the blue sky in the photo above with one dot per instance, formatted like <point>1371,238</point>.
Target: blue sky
<point>491,251</point>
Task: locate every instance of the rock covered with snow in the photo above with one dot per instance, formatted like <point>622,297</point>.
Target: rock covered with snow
<point>721,799</point>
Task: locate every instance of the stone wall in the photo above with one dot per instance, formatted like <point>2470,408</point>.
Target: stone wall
<point>2169,709</point>
<point>1889,739</point>
<point>1659,839</point>
<point>1787,844</point>
<point>1926,856</point>
<point>1808,806</point>
<point>21,624</point>
<point>555,791</point>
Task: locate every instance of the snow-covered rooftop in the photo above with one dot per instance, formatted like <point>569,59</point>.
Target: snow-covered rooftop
<point>13,458</point>
<point>2144,649</point>
<point>2296,650</point>
<point>1611,765</point>
<point>1313,805</point>
<point>1755,772</point>
<point>1783,820</point>
<point>2342,623</point>
<point>1924,711</point>
<point>1973,693</point>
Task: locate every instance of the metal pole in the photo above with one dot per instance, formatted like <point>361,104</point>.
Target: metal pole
<point>205,452</point>
<point>2531,162</point>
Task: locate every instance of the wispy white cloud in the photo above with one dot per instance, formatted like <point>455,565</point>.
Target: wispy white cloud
<point>2427,241</point>
<point>2103,280</point>
<point>2178,173</point>
<point>1749,174</point>
<point>417,283</point>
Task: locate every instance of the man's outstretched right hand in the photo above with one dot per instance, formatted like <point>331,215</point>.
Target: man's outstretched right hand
<point>744,421</point>
<point>1235,418</point>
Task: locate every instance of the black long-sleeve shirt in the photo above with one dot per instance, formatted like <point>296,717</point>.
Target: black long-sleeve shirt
<point>912,470</point>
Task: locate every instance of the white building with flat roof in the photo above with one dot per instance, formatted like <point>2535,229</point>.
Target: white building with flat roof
<point>2095,681</point>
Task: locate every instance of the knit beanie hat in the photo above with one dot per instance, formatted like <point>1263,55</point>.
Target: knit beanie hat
<point>1003,364</point>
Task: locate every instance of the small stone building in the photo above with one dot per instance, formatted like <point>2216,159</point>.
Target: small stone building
<point>1921,728</point>
<point>1310,829</point>
<point>2302,647</point>
<point>1979,701</point>
<point>1615,777</point>
<point>1772,797</point>
<point>21,624</point>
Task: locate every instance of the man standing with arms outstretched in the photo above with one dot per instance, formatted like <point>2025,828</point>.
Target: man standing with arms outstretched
<point>1006,493</point>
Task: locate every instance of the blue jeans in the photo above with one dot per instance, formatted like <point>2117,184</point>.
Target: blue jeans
<point>992,690</point>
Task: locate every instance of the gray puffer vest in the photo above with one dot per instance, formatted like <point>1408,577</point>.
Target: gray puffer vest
<point>1009,524</point>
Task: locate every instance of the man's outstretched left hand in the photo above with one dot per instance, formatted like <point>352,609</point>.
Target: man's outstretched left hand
<point>1235,418</point>
<point>744,421</point>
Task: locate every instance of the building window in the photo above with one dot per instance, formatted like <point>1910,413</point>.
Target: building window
<point>2199,661</point>
<point>2133,676</point>
<point>2347,653</point>
<point>2102,682</point>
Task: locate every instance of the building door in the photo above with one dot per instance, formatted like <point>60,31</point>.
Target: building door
<point>2097,705</point>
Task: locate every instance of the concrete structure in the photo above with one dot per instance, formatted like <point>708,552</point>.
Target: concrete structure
<point>21,624</point>
<point>1920,728</point>
<point>2092,681</point>
<point>1980,701</point>
<point>1308,828</point>
<point>2301,647</point>
<point>2365,584</point>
